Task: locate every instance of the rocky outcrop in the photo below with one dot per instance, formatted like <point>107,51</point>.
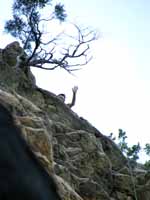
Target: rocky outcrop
<point>85,164</point>
<point>16,78</point>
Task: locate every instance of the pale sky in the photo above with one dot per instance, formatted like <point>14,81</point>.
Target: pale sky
<point>114,88</point>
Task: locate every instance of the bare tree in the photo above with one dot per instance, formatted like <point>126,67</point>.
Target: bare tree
<point>43,49</point>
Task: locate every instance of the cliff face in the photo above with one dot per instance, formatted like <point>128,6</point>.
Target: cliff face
<point>85,163</point>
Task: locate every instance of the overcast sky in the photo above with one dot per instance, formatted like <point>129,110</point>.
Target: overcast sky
<point>114,88</point>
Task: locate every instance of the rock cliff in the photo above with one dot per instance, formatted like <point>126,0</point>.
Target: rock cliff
<point>85,164</point>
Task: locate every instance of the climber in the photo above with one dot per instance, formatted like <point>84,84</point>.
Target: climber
<point>62,97</point>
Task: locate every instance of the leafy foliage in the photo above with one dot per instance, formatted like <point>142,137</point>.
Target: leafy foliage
<point>26,19</point>
<point>147,165</point>
<point>112,137</point>
<point>147,149</point>
<point>60,12</point>
<point>130,152</point>
<point>133,151</point>
<point>122,144</point>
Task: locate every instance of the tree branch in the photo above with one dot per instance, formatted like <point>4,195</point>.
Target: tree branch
<point>47,54</point>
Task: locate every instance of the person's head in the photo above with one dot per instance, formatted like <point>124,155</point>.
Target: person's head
<point>62,97</point>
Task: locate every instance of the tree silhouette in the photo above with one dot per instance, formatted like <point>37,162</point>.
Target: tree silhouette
<point>33,23</point>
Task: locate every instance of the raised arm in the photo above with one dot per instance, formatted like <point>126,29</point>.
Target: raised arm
<point>74,90</point>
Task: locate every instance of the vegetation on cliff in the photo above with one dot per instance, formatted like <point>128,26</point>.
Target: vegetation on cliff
<point>34,23</point>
